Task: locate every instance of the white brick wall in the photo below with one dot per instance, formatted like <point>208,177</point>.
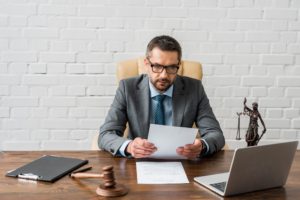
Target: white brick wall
<point>57,63</point>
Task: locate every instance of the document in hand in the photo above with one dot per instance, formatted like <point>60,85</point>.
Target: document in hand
<point>47,168</point>
<point>168,138</point>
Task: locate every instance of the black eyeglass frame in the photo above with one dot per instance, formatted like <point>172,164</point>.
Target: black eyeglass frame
<point>162,67</point>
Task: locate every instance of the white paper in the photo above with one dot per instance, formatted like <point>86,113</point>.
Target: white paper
<point>168,138</point>
<point>160,173</point>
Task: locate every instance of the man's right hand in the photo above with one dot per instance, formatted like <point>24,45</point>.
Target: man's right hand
<point>140,148</point>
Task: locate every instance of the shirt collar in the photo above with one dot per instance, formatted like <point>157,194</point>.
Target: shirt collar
<point>154,92</point>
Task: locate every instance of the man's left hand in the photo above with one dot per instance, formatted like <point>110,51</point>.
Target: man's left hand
<point>191,151</point>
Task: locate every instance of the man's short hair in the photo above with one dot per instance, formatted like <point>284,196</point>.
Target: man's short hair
<point>164,43</point>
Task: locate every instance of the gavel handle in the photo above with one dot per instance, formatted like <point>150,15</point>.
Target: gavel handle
<point>86,175</point>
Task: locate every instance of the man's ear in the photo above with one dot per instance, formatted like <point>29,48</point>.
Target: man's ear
<point>145,61</point>
<point>146,65</point>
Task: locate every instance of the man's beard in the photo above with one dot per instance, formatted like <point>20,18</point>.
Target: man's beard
<point>164,81</point>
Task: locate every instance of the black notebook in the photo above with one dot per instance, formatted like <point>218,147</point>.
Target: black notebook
<point>47,168</point>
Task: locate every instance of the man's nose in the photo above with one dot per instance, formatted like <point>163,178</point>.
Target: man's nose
<point>164,73</point>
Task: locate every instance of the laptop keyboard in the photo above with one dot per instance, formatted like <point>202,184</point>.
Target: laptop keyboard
<point>220,186</point>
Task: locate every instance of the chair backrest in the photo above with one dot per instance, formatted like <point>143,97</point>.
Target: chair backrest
<point>134,67</point>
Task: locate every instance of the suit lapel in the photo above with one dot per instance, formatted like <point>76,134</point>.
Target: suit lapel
<point>178,101</point>
<point>143,105</point>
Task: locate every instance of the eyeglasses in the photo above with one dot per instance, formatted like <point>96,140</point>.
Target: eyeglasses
<point>157,68</point>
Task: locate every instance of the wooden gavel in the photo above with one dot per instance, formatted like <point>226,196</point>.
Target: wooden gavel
<point>107,175</point>
<point>109,188</point>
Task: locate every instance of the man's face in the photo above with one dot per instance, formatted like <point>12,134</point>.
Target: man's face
<point>163,80</point>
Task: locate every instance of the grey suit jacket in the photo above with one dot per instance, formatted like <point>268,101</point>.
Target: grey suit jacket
<point>132,104</point>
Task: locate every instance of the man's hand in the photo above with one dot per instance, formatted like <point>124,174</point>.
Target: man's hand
<point>191,151</point>
<point>140,148</point>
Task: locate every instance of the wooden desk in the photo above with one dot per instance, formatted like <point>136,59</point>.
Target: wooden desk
<point>125,172</point>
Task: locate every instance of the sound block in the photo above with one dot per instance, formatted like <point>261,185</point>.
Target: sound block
<point>117,190</point>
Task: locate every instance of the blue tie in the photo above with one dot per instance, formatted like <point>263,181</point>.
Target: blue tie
<point>159,117</point>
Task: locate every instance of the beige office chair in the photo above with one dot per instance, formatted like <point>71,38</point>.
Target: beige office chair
<point>135,67</point>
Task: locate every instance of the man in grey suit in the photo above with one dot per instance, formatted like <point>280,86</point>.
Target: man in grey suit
<point>160,97</point>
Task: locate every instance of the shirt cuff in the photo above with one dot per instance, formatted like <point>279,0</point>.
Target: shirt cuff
<point>207,147</point>
<point>123,147</point>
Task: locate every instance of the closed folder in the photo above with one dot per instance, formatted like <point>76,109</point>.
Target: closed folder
<point>47,168</point>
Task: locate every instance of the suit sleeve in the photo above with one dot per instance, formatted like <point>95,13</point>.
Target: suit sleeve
<point>207,123</point>
<point>111,132</point>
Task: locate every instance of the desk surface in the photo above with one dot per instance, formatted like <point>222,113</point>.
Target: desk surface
<point>125,172</point>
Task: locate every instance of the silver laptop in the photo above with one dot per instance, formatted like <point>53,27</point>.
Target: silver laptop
<point>253,168</point>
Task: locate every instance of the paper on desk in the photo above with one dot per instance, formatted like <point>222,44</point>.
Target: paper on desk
<point>160,173</point>
<point>168,138</point>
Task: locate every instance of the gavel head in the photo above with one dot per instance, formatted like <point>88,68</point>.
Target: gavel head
<point>109,188</point>
<point>108,176</point>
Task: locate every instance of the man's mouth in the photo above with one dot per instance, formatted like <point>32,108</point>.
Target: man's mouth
<point>163,81</point>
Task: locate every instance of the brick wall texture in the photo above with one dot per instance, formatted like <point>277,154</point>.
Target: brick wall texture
<point>57,63</point>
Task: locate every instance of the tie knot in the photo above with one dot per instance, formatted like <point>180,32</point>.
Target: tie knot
<point>159,98</point>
